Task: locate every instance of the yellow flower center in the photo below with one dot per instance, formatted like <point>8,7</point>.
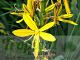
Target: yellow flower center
<point>36,32</point>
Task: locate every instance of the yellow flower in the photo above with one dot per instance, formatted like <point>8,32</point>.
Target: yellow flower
<point>35,32</point>
<point>59,1</point>
<point>67,6</point>
<point>30,6</point>
<point>45,58</point>
<point>62,18</point>
<point>25,8</point>
<point>49,8</point>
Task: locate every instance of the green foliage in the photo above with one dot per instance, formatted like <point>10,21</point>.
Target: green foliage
<point>66,48</point>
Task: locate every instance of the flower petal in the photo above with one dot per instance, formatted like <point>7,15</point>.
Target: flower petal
<point>36,45</point>
<point>67,6</point>
<point>28,20</point>
<point>49,8</point>
<point>22,32</point>
<point>52,2</point>
<point>29,5</point>
<point>24,8</point>
<point>15,13</point>
<point>60,9</point>
<point>67,21</point>
<point>19,21</point>
<point>27,9</point>
<point>66,15</point>
<point>47,36</point>
<point>59,1</point>
<point>47,26</point>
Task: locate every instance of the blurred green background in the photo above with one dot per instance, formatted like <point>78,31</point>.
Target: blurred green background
<point>67,46</point>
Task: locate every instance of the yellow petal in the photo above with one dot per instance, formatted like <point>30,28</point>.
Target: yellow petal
<point>49,8</point>
<point>29,5</point>
<point>47,36</point>
<point>52,2</point>
<point>15,13</point>
<point>47,26</point>
<point>25,8</point>
<point>66,15</point>
<point>54,11</point>
<point>67,6</point>
<point>60,9</point>
<point>36,45</point>
<point>33,43</point>
<point>59,1</point>
<point>67,21</point>
<point>45,58</point>
<point>19,21</point>
<point>22,32</point>
<point>28,20</point>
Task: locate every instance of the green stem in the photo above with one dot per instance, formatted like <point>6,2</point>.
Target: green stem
<point>74,27</point>
<point>42,13</point>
